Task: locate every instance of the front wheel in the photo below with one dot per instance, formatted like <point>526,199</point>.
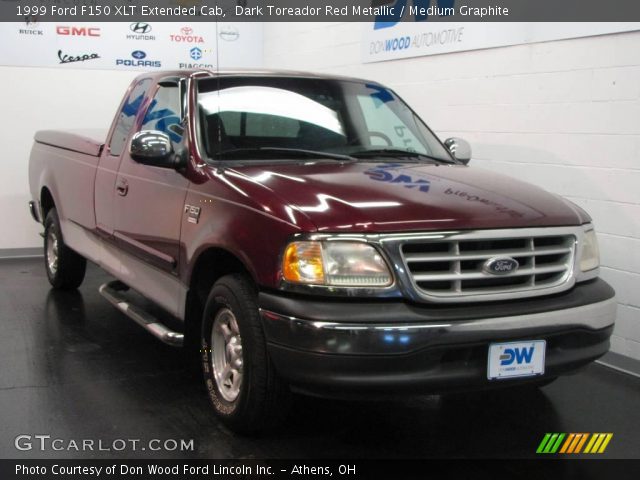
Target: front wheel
<point>65,268</point>
<point>246,392</point>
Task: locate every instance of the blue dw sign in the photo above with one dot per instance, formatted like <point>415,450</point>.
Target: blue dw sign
<point>516,359</point>
<point>420,10</point>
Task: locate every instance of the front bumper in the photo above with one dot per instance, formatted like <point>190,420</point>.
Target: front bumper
<point>329,347</point>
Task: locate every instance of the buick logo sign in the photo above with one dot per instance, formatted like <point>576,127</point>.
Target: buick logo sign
<point>140,27</point>
<point>500,265</point>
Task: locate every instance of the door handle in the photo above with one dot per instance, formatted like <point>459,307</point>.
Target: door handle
<point>122,187</point>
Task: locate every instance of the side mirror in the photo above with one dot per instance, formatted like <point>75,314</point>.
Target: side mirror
<point>151,147</point>
<point>459,148</point>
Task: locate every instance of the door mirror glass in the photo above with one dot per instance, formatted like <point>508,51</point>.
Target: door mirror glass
<point>459,148</point>
<point>151,147</point>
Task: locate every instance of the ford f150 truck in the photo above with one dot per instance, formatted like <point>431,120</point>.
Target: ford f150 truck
<point>311,233</point>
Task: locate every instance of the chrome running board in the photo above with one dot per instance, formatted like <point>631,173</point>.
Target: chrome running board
<point>112,292</point>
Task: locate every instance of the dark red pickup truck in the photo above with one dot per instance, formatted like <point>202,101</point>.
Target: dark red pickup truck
<point>312,234</point>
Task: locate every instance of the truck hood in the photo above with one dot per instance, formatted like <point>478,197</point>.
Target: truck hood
<point>393,197</point>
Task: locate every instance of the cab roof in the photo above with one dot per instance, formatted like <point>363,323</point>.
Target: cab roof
<point>203,73</point>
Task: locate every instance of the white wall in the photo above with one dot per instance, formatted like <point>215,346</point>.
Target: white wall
<point>564,115</point>
<point>45,98</point>
<point>37,98</point>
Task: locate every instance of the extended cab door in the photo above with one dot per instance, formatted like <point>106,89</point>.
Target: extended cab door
<point>149,201</point>
<point>110,160</point>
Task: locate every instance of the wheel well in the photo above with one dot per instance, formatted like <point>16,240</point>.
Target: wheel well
<point>211,265</point>
<point>46,202</point>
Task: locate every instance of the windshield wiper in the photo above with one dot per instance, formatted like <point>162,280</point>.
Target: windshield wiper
<point>291,152</point>
<point>398,153</point>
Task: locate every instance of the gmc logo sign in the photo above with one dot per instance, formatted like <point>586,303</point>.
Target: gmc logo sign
<point>79,31</point>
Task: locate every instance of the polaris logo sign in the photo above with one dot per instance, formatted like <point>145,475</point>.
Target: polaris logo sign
<point>138,59</point>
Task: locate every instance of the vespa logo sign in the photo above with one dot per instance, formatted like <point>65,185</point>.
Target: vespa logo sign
<point>518,355</point>
<point>420,10</point>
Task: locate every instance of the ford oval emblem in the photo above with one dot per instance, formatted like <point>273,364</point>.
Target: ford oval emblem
<point>500,265</point>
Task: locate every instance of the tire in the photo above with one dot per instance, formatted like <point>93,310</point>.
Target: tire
<point>65,268</point>
<point>247,395</point>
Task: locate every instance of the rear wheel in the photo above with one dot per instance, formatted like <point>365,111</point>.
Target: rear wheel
<point>246,392</point>
<point>65,268</point>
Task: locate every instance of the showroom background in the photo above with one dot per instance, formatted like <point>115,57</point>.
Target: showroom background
<point>564,115</point>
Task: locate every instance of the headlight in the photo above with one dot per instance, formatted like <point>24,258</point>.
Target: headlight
<point>590,258</point>
<point>335,263</point>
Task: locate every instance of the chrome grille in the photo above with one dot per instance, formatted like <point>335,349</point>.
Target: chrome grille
<point>452,266</point>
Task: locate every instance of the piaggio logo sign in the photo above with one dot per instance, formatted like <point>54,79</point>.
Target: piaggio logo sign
<point>197,55</point>
<point>574,443</point>
<point>78,31</point>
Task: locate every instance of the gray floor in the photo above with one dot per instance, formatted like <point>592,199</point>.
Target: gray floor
<point>74,368</point>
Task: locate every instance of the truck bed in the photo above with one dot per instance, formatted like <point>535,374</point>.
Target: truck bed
<point>88,142</point>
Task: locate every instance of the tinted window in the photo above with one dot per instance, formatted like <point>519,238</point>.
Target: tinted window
<point>163,113</point>
<point>127,117</point>
<point>242,114</point>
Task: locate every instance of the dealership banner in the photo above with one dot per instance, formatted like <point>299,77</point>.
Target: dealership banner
<point>394,40</point>
<point>322,10</point>
<point>134,45</point>
<point>281,469</point>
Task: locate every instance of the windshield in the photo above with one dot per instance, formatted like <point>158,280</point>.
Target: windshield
<point>259,117</point>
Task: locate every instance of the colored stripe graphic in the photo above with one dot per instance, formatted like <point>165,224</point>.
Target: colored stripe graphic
<point>576,441</point>
<point>543,443</point>
<point>555,447</point>
<point>598,443</point>
<point>591,442</point>
<point>603,447</point>
<point>584,439</point>
<point>572,443</point>
<point>550,443</point>
<point>567,443</point>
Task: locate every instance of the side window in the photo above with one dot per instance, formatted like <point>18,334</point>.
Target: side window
<point>127,117</point>
<point>163,113</point>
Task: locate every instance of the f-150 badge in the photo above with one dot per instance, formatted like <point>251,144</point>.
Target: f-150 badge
<point>193,213</point>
